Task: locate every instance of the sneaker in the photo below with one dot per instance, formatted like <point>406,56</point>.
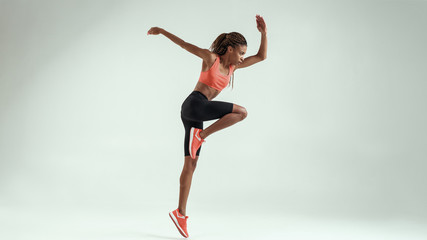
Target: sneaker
<point>180,222</point>
<point>195,141</point>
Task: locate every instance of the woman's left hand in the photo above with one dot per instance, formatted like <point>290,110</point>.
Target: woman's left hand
<point>154,31</point>
<point>260,24</point>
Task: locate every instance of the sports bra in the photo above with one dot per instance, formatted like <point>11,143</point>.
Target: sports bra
<point>214,78</point>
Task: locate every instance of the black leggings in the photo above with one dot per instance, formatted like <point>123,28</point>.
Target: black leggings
<point>196,109</point>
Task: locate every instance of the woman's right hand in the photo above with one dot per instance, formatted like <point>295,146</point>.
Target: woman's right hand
<point>154,31</point>
<point>260,24</point>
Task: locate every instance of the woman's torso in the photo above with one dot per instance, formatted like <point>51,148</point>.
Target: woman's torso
<point>208,91</point>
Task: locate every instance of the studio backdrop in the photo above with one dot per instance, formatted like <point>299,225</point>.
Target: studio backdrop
<point>90,106</point>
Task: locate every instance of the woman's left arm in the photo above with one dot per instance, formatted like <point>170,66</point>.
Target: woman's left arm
<point>262,52</point>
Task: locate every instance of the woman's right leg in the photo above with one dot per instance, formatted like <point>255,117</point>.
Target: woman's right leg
<point>195,110</point>
<point>189,165</point>
<point>185,182</point>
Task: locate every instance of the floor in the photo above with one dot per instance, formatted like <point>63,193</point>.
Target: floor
<point>44,223</point>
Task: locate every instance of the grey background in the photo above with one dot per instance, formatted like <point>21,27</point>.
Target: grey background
<point>89,107</point>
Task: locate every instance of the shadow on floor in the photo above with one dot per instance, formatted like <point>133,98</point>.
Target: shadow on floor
<point>156,236</point>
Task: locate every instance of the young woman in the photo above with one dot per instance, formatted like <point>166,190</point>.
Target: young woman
<point>224,57</point>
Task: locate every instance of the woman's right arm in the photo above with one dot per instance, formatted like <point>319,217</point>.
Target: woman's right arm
<point>204,54</point>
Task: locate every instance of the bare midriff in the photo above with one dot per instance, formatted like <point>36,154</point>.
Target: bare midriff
<point>209,92</point>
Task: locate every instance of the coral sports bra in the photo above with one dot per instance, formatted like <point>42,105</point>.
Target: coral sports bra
<point>214,78</point>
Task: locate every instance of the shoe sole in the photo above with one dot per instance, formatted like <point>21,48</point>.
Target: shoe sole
<point>175,221</point>
<point>191,142</point>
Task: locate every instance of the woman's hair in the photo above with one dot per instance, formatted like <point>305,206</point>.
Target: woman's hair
<point>221,43</point>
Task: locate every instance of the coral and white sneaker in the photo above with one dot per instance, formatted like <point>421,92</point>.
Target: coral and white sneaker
<point>180,222</point>
<point>195,141</point>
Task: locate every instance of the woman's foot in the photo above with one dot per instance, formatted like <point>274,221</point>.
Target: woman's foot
<point>195,141</point>
<point>180,222</point>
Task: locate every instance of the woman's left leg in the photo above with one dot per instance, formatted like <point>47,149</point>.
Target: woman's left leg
<point>238,114</point>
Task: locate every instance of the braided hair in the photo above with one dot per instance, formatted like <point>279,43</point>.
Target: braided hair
<point>221,43</point>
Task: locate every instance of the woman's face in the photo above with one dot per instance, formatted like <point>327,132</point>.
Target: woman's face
<point>237,54</point>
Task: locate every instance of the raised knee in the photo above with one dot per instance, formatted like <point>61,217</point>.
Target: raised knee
<point>243,113</point>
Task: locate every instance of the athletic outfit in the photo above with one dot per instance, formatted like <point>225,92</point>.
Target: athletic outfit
<point>197,108</point>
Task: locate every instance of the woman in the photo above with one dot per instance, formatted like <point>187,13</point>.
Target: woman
<point>226,56</point>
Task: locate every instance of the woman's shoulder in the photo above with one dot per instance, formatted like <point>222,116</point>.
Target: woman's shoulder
<point>209,61</point>
<point>213,57</point>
